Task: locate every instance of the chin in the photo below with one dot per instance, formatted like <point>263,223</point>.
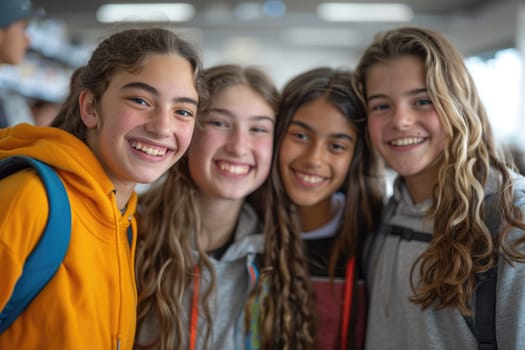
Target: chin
<point>233,196</point>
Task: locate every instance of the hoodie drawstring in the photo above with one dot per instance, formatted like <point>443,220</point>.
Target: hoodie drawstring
<point>195,307</point>
<point>254,276</point>
<point>252,341</point>
<point>253,271</point>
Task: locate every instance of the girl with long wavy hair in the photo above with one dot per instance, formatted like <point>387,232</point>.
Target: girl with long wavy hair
<point>454,187</point>
<point>326,181</point>
<point>199,238</point>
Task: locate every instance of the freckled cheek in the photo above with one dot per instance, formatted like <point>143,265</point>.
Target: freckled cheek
<point>120,119</point>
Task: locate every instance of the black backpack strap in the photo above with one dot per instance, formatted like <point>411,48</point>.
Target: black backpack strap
<point>484,324</point>
<point>485,311</point>
<point>408,234</point>
<point>485,308</point>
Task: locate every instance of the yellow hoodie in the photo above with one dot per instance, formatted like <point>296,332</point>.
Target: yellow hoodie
<point>91,301</point>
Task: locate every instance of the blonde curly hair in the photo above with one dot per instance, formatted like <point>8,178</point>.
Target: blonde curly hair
<point>461,237</point>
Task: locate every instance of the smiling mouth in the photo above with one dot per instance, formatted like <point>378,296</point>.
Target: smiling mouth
<point>407,141</point>
<point>234,169</point>
<point>310,179</point>
<point>149,150</point>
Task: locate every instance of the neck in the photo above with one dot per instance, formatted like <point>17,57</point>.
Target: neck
<point>219,217</point>
<point>420,187</point>
<point>122,195</point>
<point>318,215</point>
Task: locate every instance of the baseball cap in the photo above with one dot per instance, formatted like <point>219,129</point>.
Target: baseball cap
<point>14,10</point>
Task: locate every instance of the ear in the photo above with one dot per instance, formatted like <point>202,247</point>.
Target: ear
<point>88,112</point>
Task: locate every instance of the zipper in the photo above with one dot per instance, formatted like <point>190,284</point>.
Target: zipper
<point>117,216</point>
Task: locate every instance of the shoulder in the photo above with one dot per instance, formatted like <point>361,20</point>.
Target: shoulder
<point>248,222</point>
<point>23,188</point>
<point>23,210</point>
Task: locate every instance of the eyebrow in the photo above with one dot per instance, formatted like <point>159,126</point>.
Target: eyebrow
<point>408,93</point>
<point>155,92</point>
<point>229,114</point>
<point>309,128</point>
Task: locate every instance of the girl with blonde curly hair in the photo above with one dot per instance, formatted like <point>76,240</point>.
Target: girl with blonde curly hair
<point>457,207</point>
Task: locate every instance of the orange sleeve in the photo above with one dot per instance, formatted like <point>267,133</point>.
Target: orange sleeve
<point>23,216</point>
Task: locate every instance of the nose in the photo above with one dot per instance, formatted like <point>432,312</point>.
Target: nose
<point>238,142</point>
<point>402,117</point>
<point>160,123</point>
<point>315,154</point>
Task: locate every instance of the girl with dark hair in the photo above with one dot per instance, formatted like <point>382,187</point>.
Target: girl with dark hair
<point>129,117</point>
<point>326,195</point>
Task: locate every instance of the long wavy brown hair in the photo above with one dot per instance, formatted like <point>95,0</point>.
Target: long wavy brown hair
<point>461,245</point>
<point>126,50</point>
<point>170,224</point>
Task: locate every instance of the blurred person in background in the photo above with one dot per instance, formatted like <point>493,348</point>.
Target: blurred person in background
<point>14,19</point>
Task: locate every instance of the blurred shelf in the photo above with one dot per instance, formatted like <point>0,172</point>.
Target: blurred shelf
<point>51,59</point>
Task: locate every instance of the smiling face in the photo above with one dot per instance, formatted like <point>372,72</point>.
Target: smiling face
<point>144,121</point>
<point>230,156</point>
<point>404,127</point>
<point>316,153</point>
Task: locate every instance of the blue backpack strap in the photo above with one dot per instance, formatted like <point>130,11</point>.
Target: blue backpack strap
<point>130,236</point>
<point>44,260</point>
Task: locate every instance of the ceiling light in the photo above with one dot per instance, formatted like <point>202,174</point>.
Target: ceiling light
<point>323,37</point>
<point>274,8</point>
<point>365,12</point>
<point>177,12</point>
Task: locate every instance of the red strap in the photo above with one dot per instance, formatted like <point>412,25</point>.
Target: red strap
<point>347,303</point>
<point>195,308</point>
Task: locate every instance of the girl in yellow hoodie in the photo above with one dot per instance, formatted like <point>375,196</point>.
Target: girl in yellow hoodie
<point>129,117</point>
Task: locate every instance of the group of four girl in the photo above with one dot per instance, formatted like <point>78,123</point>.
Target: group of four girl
<point>255,236</point>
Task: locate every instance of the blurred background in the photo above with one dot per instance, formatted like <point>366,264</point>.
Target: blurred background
<point>285,37</point>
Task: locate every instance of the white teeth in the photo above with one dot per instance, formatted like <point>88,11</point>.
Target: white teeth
<point>234,169</point>
<point>152,151</point>
<point>407,141</point>
<point>310,178</point>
